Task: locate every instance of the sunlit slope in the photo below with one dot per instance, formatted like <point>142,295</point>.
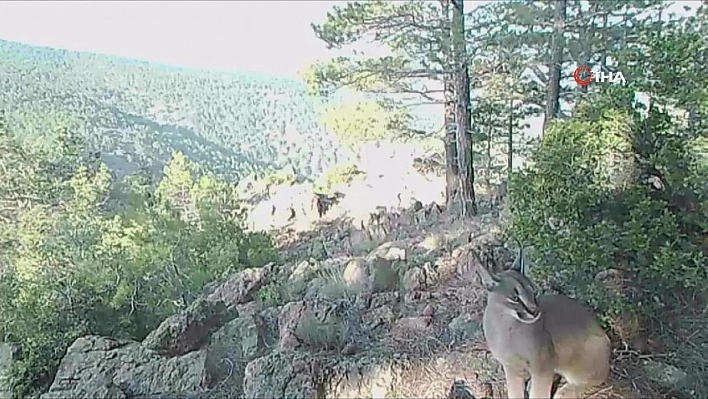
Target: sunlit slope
<point>136,113</point>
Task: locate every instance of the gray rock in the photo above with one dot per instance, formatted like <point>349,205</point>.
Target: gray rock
<point>178,359</point>
<point>389,251</point>
<point>282,375</point>
<point>356,274</point>
<point>384,299</point>
<point>464,327</point>
<point>6,358</point>
<point>98,367</point>
<point>231,348</point>
<point>414,279</point>
<point>242,287</point>
<point>302,270</point>
<point>159,376</point>
<point>191,328</point>
<point>242,336</point>
<point>296,375</point>
<point>314,324</point>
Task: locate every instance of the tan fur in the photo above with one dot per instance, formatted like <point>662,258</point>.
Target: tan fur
<point>542,336</point>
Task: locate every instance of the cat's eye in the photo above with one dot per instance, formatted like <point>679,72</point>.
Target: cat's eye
<point>514,299</point>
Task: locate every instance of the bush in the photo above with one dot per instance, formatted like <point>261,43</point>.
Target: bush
<point>73,262</point>
<point>271,294</point>
<point>356,123</point>
<point>338,174</point>
<point>278,178</point>
<point>586,207</point>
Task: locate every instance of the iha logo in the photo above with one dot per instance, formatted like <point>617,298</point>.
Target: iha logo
<point>584,76</point>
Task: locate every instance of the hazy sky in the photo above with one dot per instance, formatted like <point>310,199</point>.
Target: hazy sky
<point>262,36</point>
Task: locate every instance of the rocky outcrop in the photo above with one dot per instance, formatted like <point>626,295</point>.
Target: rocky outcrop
<point>394,321</point>
<point>188,355</point>
<point>98,367</point>
<point>189,329</point>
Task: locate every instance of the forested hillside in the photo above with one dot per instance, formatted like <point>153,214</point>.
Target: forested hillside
<point>133,285</point>
<point>136,113</point>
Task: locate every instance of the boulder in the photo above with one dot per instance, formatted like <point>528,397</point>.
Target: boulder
<point>98,367</point>
<point>315,325</point>
<point>190,329</point>
<point>6,359</point>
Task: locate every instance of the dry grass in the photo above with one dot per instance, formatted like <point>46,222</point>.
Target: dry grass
<point>330,285</point>
<point>320,335</point>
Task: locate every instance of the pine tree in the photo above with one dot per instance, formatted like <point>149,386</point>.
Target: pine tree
<point>428,60</point>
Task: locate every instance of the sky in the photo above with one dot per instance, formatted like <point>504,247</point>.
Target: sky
<point>272,37</point>
<point>267,36</point>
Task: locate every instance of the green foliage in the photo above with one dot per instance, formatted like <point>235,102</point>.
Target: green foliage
<point>585,206</point>
<point>366,121</point>
<point>509,95</point>
<point>338,174</point>
<point>277,293</point>
<point>278,178</point>
<point>271,294</point>
<point>411,29</point>
<point>325,78</point>
<point>668,61</point>
<point>413,35</point>
<point>73,262</point>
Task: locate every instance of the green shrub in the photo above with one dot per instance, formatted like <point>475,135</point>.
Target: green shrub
<point>74,264</point>
<point>330,284</point>
<point>585,206</point>
<point>278,178</point>
<point>338,174</point>
<point>271,294</point>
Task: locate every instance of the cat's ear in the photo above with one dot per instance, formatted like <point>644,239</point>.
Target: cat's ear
<point>521,264</point>
<point>489,281</point>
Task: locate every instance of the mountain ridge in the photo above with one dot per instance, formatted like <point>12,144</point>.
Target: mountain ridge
<point>231,123</point>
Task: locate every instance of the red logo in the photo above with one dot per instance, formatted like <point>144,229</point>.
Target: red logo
<point>578,75</point>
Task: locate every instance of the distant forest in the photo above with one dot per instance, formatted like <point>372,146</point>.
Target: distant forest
<point>133,114</point>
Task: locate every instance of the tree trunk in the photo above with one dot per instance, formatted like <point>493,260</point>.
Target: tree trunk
<point>510,142</point>
<point>587,35</point>
<point>603,54</point>
<point>553,90</point>
<point>463,117</point>
<point>694,116</point>
<point>452,181</point>
<point>488,175</point>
